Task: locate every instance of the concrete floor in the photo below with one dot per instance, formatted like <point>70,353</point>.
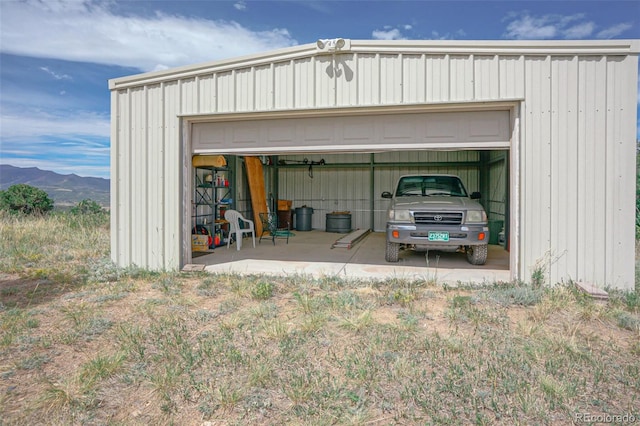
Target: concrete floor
<point>310,253</point>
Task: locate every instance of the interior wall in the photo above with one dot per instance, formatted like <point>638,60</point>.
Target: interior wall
<point>355,182</point>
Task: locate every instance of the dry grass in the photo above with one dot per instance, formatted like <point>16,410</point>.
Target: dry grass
<point>82,342</point>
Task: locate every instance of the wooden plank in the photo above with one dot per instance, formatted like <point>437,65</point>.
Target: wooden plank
<point>190,267</point>
<point>257,190</point>
<point>351,239</point>
<point>592,290</point>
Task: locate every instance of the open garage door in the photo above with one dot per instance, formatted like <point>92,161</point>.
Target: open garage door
<point>362,156</point>
<point>355,133</point>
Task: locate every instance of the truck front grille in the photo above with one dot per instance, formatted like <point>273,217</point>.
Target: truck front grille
<point>438,218</point>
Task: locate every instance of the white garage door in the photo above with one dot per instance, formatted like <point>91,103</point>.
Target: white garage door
<point>355,133</point>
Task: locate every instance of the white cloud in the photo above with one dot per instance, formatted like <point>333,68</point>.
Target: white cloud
<point>387,34</point>
<point>583,30</point>
<point>55,74</point>
<point>614,30</point>
<point>63,144</point>
<point>90,31</point>
<point>529,27</point>
<point>241,5</point>
<point>32,125</point>
<point>523,25</point>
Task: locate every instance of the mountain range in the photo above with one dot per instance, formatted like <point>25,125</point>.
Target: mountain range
<point>64,190</point>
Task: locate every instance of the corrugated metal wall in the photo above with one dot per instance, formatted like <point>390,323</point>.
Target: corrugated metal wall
<point>334,187</point>
<point>577,104</point>
<point>578,131</point>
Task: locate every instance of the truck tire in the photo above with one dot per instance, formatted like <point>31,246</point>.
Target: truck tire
<point>477,255</point>
<point>391,252</point>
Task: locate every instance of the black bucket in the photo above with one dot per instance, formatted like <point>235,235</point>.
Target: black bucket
<point>339,222</point>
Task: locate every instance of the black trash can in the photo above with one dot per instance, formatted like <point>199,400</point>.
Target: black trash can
<point>303,218</point>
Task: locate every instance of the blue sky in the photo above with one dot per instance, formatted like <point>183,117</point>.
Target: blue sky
<point>56,56</point>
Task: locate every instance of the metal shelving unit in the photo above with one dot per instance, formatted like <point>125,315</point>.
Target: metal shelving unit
<point>212,196</point>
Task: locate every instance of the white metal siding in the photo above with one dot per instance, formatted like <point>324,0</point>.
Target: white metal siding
<point>368,79</point>
<point>171,249</point>
<point>577,113</point>
<point>535,162</point>
<point>303,85</point>
<point>263,88</point>
<point>486,77</point>
<point>283,93</point>
<point>207,93</point>
<point>155,214</point>
<point>325,84</point>
<point>344,69</point>
<point>621,167</point>
<point>511,78</point>
<point>564,166</point>
<point>438,77</point>
<point>414,79</point>
<point>244,89</point>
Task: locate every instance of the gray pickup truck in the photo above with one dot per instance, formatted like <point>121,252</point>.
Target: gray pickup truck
<point>434,212</point>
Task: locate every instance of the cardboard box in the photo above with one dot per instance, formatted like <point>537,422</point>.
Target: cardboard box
<point>199,242</point>
<point>284,205</point>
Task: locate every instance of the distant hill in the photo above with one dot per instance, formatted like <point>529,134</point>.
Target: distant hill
<point>64,190</point>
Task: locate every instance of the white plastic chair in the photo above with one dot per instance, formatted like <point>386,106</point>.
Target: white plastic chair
<point>234,217</point>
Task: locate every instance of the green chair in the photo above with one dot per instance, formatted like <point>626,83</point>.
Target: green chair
<point>270,225</point>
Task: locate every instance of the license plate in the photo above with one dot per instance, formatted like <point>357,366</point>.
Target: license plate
<point>438,236</point>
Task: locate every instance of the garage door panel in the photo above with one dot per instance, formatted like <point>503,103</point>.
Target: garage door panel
<point>245,135</point>
<point>487,127</point>
<point>209,135</point>
<point>280,134</point>
<point>441,128</point>
<point>358,130</point>
<point>445,130</point>
<point>318,132</point>
<point>401,128</point>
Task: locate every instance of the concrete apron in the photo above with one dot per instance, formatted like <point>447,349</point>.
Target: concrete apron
<point>310,254</point>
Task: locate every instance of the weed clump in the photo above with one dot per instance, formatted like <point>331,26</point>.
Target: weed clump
<point>262,290</point>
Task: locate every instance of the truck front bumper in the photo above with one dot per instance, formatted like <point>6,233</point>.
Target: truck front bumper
<point>423,235</point>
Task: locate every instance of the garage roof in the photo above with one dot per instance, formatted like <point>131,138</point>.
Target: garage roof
<point>453,47</point>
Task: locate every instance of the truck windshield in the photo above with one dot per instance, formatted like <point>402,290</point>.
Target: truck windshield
<point>429,186</point>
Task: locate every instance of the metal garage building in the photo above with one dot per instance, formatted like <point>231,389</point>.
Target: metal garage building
<point>547,129</point>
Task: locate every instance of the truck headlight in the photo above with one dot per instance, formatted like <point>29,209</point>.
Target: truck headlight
<point>400,215</point>
<point>476,216</point>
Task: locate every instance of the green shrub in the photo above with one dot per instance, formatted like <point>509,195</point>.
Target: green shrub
<point>26,199</point>
<point>262,290</point>
<point>87,206</point>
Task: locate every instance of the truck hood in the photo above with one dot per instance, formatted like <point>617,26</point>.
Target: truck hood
<point>435,203</point>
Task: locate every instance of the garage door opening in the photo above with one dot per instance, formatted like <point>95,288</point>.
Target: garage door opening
<point>317,185</point>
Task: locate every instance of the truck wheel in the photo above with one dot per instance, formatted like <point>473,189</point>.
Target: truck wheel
<point>477,255</point>
<point>391,252</point>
